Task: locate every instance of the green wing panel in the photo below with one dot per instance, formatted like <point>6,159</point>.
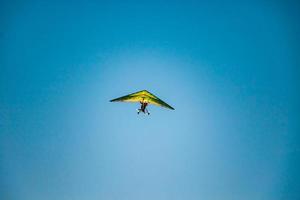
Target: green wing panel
<point>134,97</point>
<point>127,98</point>
<point>159,102</point>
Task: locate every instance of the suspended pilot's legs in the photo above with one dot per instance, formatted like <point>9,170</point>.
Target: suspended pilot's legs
<point>143,109</point>
<point>147,111</point>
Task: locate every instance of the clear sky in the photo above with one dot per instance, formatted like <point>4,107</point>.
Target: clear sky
<point>229,68</point>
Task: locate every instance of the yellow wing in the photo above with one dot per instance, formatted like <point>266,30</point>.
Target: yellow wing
<point>143,96</point>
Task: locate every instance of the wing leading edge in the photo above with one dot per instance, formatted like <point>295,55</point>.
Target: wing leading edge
<point>143,96</point>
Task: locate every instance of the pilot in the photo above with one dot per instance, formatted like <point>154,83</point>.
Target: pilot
<point>144,105</point>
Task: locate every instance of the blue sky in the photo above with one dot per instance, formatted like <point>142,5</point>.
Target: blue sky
<point>229,68</point>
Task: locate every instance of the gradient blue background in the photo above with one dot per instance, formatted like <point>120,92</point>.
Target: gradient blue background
<point>229,68</point>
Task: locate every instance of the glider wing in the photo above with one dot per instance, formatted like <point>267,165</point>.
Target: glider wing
<point>143,96</point>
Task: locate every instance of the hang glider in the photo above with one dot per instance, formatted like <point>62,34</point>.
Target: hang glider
<point>144,98</point>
